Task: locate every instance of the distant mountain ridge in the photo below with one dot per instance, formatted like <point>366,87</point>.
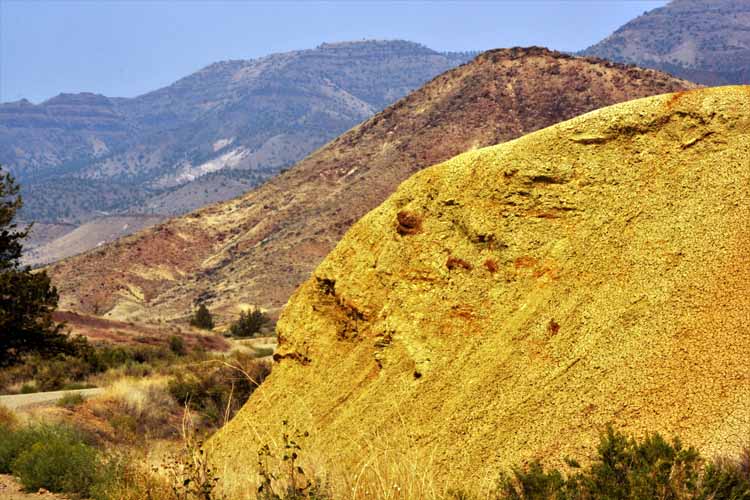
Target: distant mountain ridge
<point>703,41</point>
<point>254,117</point>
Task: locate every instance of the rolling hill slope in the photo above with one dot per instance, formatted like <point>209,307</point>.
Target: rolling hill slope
<point>256,249</point>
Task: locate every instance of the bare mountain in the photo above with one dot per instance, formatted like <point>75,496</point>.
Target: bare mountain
<point>250,116</point>
<point>256,249</point>
<point>52,138</point>
<point>702,41</point>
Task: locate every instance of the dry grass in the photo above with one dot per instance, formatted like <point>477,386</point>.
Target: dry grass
<point>139,407</point>
<point>392,467</point>
<point>8,418</point>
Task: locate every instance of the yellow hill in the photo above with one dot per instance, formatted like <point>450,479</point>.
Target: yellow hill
<point>509,303</point>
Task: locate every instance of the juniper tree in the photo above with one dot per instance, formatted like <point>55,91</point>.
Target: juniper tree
<point>249,323</point>
<point>202,318</point>
<point>27,299</point>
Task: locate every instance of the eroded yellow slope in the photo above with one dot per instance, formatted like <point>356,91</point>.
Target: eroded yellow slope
<point>511,302</point>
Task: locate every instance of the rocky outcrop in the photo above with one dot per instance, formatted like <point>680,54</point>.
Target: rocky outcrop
<point>511,302</point>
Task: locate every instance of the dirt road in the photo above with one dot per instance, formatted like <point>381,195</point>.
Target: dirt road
<point>26,401</point>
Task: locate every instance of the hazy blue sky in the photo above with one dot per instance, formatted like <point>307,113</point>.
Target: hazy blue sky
<point>125,48</point>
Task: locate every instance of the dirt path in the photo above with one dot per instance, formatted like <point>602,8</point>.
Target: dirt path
<point>11,490</point>
<point>37,399</point>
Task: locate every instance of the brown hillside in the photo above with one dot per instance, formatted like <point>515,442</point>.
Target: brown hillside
<point>258,248</point>
<point>510,302</point>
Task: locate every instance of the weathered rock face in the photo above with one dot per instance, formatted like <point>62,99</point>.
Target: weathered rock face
<point>510,302</point>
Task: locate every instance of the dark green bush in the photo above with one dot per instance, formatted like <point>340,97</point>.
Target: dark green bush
<point>70,400</point>
<point>727,479</point>
<point>202,318</point>
<point>28,388</point>
<point>249,323</point>
<point>531,483</point>
<point>14,441</point>
<point>60,463</point>
<point>177,345</point>
<point>628,469</point>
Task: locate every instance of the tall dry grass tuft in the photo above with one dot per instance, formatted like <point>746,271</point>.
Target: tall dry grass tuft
<point>8,418</point>
<point>189,471</point>
<point>139,407</point>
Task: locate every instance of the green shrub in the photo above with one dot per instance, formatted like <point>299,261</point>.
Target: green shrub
<point>628,469</point>
<point>177,345</point>
<point>53,457</point>
<point>202,318</point>
<point>218,389</point>
<point>15,441</point>
<point>29,388</point>
<point>249,323</point>
<point>727,479</point>
<point>61,462</point>
<point>531,483</point>
<point>70,400</point>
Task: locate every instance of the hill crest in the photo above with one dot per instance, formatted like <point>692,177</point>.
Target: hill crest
<point>257,248</point>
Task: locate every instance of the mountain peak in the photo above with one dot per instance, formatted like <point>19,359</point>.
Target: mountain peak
<point>78,98</point>
<point>368,45</point>
<point>707,42</point>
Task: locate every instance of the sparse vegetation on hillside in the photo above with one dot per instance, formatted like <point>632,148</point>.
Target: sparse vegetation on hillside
<point>219,388</point>
<point>101,443</point>
<point>91,153</point>
<point>275,235</point>
<point>622,468</point>
<point>62,459</point>
<point>706,42</point>
<point>72,370</point>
